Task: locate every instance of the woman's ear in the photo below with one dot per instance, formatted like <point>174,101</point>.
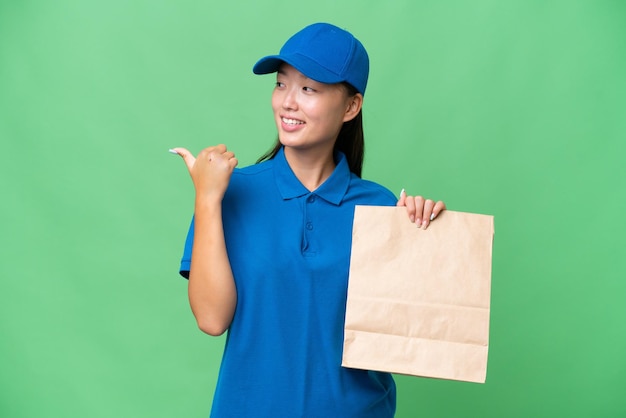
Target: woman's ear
<point>354,107</point>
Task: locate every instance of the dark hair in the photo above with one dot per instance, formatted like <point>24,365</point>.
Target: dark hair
<point>349,141</point>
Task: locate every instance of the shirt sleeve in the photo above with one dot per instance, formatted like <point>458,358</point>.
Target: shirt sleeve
<point>185,262</point>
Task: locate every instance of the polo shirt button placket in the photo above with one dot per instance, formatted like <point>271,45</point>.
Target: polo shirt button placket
<point>308,226</point>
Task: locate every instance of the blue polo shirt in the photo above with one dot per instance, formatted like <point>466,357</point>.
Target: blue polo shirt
<point>289,250</point>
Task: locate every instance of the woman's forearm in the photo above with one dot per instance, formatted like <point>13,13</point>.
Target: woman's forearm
<point>212,291</point>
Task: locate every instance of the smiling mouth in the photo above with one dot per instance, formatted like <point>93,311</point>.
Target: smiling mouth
<point>292,122</point>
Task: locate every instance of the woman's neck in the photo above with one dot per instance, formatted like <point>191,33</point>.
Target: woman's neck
<point>311,168</point>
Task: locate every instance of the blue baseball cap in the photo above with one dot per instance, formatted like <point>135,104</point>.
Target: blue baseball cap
<point>324,53</point>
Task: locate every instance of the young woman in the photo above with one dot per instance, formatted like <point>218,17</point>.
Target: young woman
<point>267,254</point>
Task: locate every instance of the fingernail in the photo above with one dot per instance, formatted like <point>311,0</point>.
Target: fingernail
<point>418,222</point>
<point>402,192</point>
<point>412,218</point>
<point>432,216</point>
<point>173,151</point>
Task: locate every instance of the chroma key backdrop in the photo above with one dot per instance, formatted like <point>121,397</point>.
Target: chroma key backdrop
<point>513,108</point>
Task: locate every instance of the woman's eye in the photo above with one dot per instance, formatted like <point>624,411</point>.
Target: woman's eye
<point>279,84</point>
<point>308,89</point>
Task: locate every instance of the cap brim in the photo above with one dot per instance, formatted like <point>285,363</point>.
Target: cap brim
<point>267,65</point>
<point>306,66</point>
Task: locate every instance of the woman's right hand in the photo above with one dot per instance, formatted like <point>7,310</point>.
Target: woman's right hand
<point>210,171</point>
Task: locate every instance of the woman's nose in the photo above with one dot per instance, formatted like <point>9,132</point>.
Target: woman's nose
<point>290,100</point>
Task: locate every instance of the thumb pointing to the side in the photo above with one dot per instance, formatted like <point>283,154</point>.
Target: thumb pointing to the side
<point>187,156</point>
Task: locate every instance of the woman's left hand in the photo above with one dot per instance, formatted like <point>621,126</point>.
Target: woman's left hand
<point>421,211</point>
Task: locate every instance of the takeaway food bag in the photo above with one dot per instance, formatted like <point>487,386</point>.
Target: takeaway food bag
<point>419,300</point>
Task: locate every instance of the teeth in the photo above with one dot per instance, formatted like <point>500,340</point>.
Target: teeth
<point>292,121</point>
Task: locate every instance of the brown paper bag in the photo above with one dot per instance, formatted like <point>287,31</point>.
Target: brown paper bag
<point>418,300</point>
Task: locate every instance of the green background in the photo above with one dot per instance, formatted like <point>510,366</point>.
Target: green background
<point>510,108</point>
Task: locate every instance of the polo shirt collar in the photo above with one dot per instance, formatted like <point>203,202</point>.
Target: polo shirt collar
<point>332,190</point>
